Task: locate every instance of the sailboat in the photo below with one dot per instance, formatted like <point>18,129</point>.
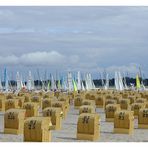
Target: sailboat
<point>30,82</point>
<point>142,84</point>
<point>69,82</point>
<point>18,82</point>
<point>138,85</point>
<point>83,88</point>
<point>53,83</point>
<point>1,87</point>
<point>88,81</point>
<point>6,88</point>
<point>124,82</point>
<point>102,81</point>
<point>79,87</point>
<point>106,87</point>
<point>118,81</point>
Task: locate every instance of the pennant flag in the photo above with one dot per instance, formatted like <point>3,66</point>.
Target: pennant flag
<point>74,85</point>
<point>138,82</point>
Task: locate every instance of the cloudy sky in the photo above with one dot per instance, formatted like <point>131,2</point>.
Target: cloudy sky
<point>89,39</point>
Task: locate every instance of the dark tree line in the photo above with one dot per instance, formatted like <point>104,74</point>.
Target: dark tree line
<point>128,81</point>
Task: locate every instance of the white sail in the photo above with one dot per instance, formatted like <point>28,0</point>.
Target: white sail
<point>102,81</point>
<point>53,86</point>
<point>18,81</point>
<point>86,82</point>
<point>124,82</point>
<point>30,85</point>
<point>83,88</point>
<point>6,81</point>
<point>90,81</point>
<point>117,81</point>
<point>7,86</point>
<point>142,86</point>
<point>64,86</point>
<point>69,80</point>
<point>1,87</point>
<point>120,81</point>
<point>93,85</point>
<point>29,81</point>
<point>107,82</point>
<point>79,81</point>
<point>21,83</point>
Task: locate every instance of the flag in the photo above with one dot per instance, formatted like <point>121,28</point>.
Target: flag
<point>74,85</point>
<point>138,82</point>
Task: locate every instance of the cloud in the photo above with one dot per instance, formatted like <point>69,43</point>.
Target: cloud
<point>131,68</point>
<point>8,60</point>
<point>39,58</point>
<point>42,58</point>
<point>56,61</point>
<point>34,58</point>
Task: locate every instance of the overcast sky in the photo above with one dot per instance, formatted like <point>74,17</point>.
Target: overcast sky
<point>89,39</point>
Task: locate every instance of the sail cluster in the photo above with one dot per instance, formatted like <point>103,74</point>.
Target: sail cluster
<point>70,82</point>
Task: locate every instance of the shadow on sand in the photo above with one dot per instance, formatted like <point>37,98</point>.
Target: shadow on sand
<point>67,138</point>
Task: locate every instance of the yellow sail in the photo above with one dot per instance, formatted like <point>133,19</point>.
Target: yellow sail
<point>138,82</point>
<point>75,86</point>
